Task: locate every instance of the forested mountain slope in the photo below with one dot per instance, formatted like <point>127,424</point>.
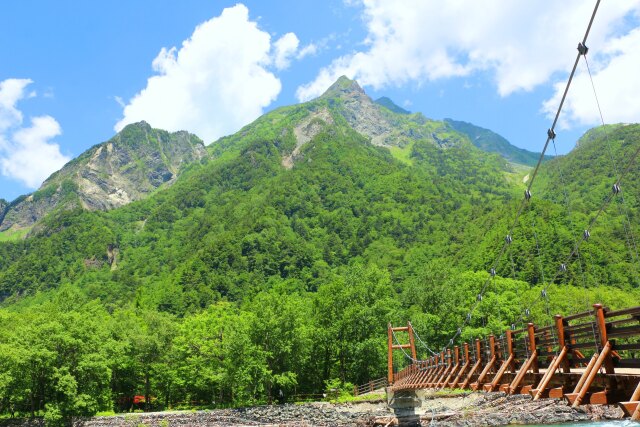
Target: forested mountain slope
<point>491,142</point>
<point>276,262</point>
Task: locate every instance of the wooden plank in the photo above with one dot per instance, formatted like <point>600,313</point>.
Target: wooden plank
<point>628,363</point>
<point>623,347</point>
<point>631,310</point>
<point>556,393</point>
<point>397,347</point>
<point>599,398</point>
<point>625,331</point>
<point>526,389</point>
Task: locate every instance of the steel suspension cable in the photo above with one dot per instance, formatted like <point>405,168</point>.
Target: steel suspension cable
<point>631,241</point>
<point>433,353</point>
<point>571,223</point>
<point>395,338</point>
<point>550,136</point>
<point>603,207</point>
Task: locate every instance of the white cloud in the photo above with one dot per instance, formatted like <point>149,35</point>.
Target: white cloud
<point>521,44</point>
<point>27,153</point>
<point>285,48</point>
<point>216,82</point>
<point>615,77</point>
<point>11,91</point>
<point>32,157</point>
<point>308,50</point>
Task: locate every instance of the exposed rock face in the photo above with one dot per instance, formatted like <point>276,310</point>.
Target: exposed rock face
<point>3,206</point>
<point>306,131</point>
<point>384,124</point>
<point>360,111</point>
<point>129,166</point>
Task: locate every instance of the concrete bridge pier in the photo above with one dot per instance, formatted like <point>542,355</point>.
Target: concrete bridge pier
<point>406,405</point>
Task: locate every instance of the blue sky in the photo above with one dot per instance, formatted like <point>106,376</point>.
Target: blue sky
<point>73,72</point>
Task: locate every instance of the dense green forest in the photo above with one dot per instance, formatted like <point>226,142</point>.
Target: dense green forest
<point>246,278</point>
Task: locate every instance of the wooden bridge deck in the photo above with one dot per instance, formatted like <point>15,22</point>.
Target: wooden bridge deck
<point>591,357</point>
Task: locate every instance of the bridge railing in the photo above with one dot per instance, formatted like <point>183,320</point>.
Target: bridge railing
<point>369,387</point>
<point>574,358</point>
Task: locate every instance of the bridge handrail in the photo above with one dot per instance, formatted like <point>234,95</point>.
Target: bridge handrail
<point>612,336</point>
<point>370,386</point>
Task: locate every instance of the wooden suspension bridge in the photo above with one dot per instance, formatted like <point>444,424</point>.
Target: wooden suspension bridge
<point>590,357</point>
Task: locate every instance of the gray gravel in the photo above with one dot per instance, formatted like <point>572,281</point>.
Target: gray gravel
<point>309,414</point>
<point>486,409</point>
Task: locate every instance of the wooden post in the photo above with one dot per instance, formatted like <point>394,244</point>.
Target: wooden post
<point>510,349</point>
<point>592,374</point>
<point>566,367</point>
<point>447,368</point>
<point>466,352</point>
<point>475,367</point>
<point>412,342</point>
<point>456,358</point>
<point>435,369</point>
<point>390,356</point>
<point>462,370</point>
<point>532,347</point>
<point>492,345</point>
<point>602,328</point>
<point>550,372</point>
<point>547,337</point>
<point>522,372</point>
<point>635,397</point>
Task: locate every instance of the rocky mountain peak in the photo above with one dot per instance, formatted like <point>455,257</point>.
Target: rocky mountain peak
<point>128,167</point>
<point>359,110</point>
<point>344,88</point>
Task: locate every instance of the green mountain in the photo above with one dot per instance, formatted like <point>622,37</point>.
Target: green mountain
<point>276,262</point>
<point>390,105</point>
<point>491,142</point>
<point>129,166</point>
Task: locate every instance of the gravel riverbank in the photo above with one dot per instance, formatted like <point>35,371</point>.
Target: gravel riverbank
<point>497,409</point>
<point>486,409</point>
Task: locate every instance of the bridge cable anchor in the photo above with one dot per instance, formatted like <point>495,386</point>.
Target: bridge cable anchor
<point>582,49</point>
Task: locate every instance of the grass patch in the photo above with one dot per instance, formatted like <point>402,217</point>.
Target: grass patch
<point>13,235</point>
<point>403,153</point>
<point>449,393</point>
<point>362,398</point>
<point>517,173</point>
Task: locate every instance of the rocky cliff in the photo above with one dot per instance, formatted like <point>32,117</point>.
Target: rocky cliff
<point>129,166</point>
<point>3,206</point>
